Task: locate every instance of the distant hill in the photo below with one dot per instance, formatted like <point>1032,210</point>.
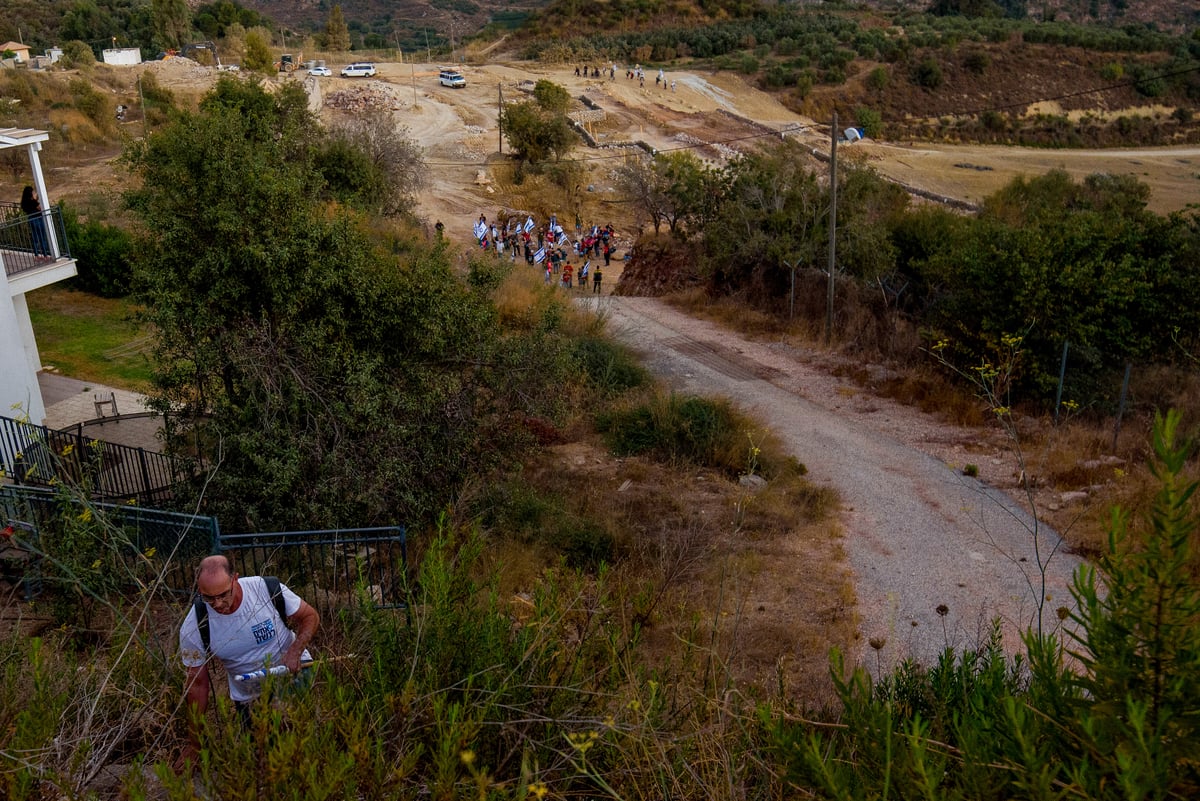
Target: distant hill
<point>404,19</point>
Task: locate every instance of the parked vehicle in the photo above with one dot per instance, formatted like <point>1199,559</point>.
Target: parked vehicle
<point>452,78</point>
<point>322,72</point>
<point>361,69</point>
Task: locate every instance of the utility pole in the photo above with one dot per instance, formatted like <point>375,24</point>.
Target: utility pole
<point>500,116</point>
<point>833,136</point>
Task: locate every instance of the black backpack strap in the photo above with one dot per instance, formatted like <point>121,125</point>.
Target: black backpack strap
<point>274,589</point>
<point>202,624</point>
<point>276,593</point>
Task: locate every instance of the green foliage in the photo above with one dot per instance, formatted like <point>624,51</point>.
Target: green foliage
<point>214,19</point>
<point>341,380</point>
<point>977,61</point>
<point>1085,263</point>
<point>1120,723</point>
<point>769,210</point>
<point>337,35</point>
<point>538,129</point>
<point>98,107</point>
<point>610,368</point>
<point>678,430</point>
<point>552,98</point>
<point>546,521</point>
<point>257,56</point>
<point>77,56</point>
<point>672,188</point>
<point>172,21</point>
<point>928,74</point>
<point>878,79</point>
<point>870,120</point>
<point>103,253</point>
<point>1138,641</point>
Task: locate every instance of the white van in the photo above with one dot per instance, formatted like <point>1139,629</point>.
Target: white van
<point>452,78</point>
<point>361,69</point>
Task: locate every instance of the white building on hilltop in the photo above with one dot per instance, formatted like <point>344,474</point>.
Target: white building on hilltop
<point>34,254</point>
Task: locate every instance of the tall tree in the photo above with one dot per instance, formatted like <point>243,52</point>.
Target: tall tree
<point>257,56</point>
<point>172,23</point>
<point>337,35</point>
<point>331,380</point>
<point>538,129</point>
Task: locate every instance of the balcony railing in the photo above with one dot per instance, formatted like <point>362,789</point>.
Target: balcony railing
<point>24,247</point>
<point>39,456</point>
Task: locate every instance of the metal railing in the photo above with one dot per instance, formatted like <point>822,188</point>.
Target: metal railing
<point>164,546</point>
<point>26,244</point>
<point>331,569</point>
<point>38,456</point>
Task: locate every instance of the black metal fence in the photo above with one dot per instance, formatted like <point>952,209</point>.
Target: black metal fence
<point>38,456</point>
<point>27,244</point>
<point>331,569</point>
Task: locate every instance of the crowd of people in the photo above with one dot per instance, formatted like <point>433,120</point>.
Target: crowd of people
<point>634,73</point>
<point>550,248</point>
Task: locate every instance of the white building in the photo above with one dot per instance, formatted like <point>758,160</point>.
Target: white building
<point>32,258</point>
<point>122,56</point>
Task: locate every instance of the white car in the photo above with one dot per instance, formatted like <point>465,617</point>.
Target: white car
<point>452,78</point>
<point>360,69</point>
<point>321,72</point>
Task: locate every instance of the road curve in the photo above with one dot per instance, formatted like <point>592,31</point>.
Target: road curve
<point>918,535</point>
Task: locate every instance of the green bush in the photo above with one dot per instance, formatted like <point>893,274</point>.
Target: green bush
<point>610,368</point>
<point>871,122</point>
<point>77,55</point>
<point>1117,723</point>
<point>679,430</point>
<point>98,107</point>
<point>928,74</point>
<point>102,254</point>
<point>878,79</point>
<point>977,61</point>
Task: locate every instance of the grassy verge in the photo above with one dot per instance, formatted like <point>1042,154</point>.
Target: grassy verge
<point>89,337</point>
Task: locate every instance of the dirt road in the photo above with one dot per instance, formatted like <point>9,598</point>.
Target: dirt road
<point>917,533</point>
<point>717,115</point>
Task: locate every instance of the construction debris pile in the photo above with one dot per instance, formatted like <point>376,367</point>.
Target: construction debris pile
<point>366,97</point>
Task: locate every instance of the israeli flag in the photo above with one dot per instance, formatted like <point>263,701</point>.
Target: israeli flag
<point>539,256</point>
<point>480,230</point>
<point>562,237</point>
<point>528,224</point>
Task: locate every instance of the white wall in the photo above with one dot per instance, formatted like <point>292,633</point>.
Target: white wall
<point>19,393</point>
<point>127,56</point>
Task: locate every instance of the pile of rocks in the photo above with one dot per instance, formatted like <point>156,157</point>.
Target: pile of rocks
<point>363,98</point>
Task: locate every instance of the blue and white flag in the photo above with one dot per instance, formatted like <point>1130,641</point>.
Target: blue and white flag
<point>528,224</point>
<point>480,229</point>
<point>539,256</point>
<point>562,237</point>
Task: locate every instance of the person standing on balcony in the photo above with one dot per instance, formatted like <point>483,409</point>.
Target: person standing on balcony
<point>37,225</point>
<point>246,634</point>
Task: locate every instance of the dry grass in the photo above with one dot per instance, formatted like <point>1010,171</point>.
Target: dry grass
<point>755,579</point>
<point>729,312</point>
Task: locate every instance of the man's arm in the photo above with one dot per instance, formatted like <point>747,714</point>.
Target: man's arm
<point>304,624</point>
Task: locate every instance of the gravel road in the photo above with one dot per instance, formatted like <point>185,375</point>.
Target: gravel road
<point>918,535</point>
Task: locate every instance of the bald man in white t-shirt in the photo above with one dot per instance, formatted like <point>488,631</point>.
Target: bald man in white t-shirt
<point>245,634</point>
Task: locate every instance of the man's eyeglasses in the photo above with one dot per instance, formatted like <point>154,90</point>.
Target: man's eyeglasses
<point>223,596</point>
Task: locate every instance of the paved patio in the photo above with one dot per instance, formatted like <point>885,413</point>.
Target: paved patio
<point>70,402</point>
